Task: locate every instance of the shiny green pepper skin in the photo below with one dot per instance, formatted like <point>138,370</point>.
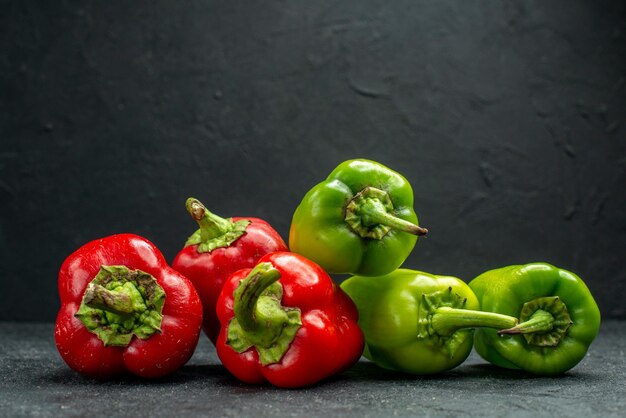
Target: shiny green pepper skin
<point>360,220</point>
<point>515,289</point>
<point>417,322</point>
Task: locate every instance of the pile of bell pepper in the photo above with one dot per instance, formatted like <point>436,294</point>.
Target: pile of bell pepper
<point>275,315</point>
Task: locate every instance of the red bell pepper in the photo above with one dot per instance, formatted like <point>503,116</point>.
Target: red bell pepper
<point>218,249</point>
<point>286,322</point>
<point>120,287</point>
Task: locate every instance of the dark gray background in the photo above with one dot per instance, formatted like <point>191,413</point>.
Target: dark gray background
<point>506,117</point>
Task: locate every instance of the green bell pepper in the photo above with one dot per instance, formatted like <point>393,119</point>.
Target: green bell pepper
<point>359,220</point>
<point>561,318</point>
<point>417,322</point>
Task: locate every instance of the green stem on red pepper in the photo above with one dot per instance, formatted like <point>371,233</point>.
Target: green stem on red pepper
<point>260,319</point>
<point>114,289</point>
<point>115,301</point>
<point>291,332</point>
<point>119,303</point>
<point>215,231</point>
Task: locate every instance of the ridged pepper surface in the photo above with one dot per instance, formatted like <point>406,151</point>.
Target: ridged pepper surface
<point>124,310</point>
<point>219,248</point>
<point>359,220</point>
<point>286,322</point>
<point>560,318</point>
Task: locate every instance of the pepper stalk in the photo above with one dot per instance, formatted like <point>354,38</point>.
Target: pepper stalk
<point>120,303</point>
<point>214,231</point>
<point>370,215</point>
<point>260,320</point>
<point>544,321</point>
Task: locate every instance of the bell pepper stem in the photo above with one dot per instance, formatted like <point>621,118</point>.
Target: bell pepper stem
<point>98,297</point>
<point>120,303</point>
<point>260,320</point>
<point>370,214</point>
<point>248,293</point>
<point>540,321</point>
<point>215,232</point>
<point>373,212</point>
<point>543,322</point>
<point>211,225</point>
<point>446,320</point>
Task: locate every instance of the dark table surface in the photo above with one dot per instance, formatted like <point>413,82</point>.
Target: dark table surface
<point>36,382</point>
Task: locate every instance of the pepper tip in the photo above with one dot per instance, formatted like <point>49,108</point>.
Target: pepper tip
<point>195,208</point>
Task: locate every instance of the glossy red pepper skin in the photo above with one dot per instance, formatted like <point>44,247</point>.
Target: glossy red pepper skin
<point>161,353</point>
<point>328,342</point>
<point>209,271</point>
